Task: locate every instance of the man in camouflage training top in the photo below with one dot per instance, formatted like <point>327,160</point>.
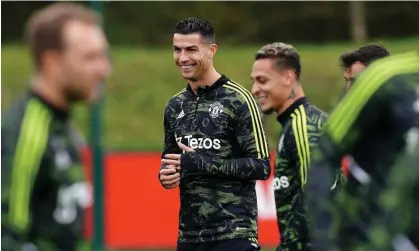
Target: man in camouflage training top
<point>377,122</point>
<point>218,125</point>
<point>275,75</point>
<point>44,191</point>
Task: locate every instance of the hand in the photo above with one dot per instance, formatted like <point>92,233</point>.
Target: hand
<point>169,176</point>
<point>174,159</point>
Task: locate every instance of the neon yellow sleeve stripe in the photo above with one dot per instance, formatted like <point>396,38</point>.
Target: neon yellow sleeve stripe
<point>258,132</point>
<point>184,89</point>
<point>254,106</point>
<point>299,127</point>
<point>306,142</point>
<point>368,83</point>
<point>263,138</point>
<point>30,147</point>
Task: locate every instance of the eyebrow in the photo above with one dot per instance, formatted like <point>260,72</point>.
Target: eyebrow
<point>187,47</point>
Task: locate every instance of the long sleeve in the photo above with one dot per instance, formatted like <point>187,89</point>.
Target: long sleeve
<point>170,145</point>
<point>22,148</point>
<point>251,137</point>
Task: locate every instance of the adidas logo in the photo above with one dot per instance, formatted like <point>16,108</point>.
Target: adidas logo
<point>181,114</point>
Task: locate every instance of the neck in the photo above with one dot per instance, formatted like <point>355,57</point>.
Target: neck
<point>47,90</point>
<point>296,93</point>
<point>209,78</point>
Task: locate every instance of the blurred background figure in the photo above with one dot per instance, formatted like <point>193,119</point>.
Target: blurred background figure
<point>139,214</point>
<point>378,124</point>
<point>44,193</point>
<point>354,62</point>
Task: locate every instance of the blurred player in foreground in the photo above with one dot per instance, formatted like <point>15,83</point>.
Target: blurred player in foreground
<point>377,122</point>
<point>43,187</point>
<point>276,84</point>
<point>353,63</point>
<point>217,123</point>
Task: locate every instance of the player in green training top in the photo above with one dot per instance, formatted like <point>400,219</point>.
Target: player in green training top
<point>377,122</point>
<point>44,192</point>
<point>218,124</point>
<point>276,83</point>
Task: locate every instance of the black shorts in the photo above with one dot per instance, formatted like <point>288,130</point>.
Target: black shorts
<point>249,244</point>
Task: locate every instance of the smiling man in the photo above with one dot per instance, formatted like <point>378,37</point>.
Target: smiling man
<point>276,84</point>
<point>218,125</point>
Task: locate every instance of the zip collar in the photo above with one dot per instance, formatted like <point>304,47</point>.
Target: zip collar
<point>285,116</point>
<point>208,88</point>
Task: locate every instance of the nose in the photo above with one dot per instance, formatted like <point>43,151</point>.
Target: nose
<point>255,89</point>
<point>183,57</point>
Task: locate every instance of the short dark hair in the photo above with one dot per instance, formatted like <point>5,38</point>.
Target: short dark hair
<point>365,54</point>
<point>45,27</point>
<point>286,56</point>
<point>196,25</point>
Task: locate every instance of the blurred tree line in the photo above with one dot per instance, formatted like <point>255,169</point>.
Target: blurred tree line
<point>150,23</point>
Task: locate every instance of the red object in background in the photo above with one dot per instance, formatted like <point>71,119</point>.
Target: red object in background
<point>345,165</point>
<point>139,212</point>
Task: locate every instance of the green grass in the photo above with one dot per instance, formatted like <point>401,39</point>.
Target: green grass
<point>145,78</point>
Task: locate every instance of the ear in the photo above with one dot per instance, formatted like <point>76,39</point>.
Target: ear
<point>50,59</point>
<point>213,49</point>
<point>290,77</point>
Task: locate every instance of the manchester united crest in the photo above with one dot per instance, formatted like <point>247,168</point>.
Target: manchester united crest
<point>216,109</point>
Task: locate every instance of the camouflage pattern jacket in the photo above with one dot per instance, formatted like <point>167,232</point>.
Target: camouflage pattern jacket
<point>302,125</point>
<point>223,124</point>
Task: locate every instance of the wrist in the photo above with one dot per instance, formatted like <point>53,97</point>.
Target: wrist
<point>188,162</point>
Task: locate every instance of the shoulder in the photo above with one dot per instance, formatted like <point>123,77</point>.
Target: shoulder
<point>315,115</point>
<point>176,99</point>
<point>27,120</point>
<point>237,92</point>
<point>384,70</point>
<point>240,96</point>
<point>24,107</point>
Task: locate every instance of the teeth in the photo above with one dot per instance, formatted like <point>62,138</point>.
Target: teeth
<point>187,66</point>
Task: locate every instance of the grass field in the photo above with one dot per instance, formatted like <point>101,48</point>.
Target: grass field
<point>144,79</point>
